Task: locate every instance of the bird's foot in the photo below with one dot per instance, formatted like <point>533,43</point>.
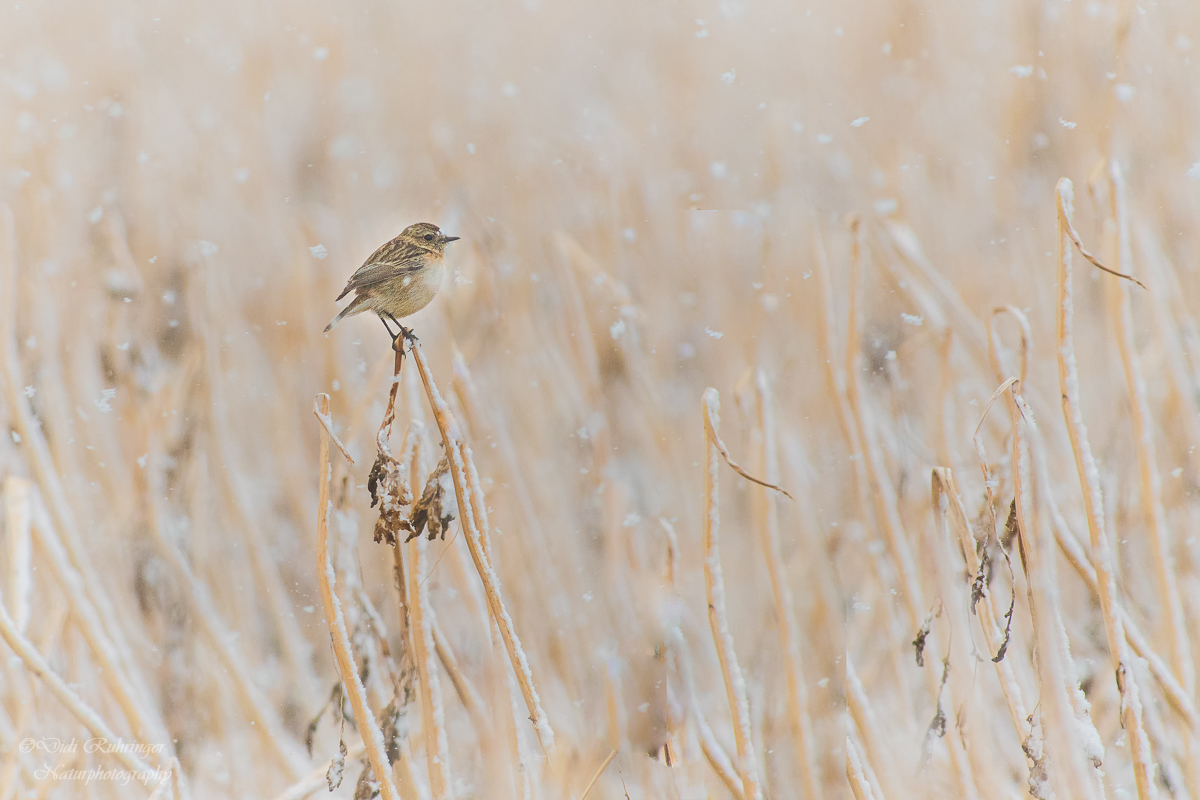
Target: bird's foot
<point>405,332</point>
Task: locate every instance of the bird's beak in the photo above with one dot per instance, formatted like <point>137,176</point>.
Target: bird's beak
<point>450,239</point>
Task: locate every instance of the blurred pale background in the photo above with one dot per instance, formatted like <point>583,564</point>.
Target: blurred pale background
<point>653,199</point>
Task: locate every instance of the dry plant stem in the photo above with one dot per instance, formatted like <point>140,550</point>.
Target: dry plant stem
<point>525,768</point>
<point>469,396</point>
<point>883,493</point>
<point>297,651</point>
<point>617,720</point>
<point>18,766</point>
<point>72,585</point>
<point>399,573</point>
<point>327,424</point>
<point>86,716</point>
<point>267,724</point>
<point>18,524</point>
<point>1068,230</point>
<point>718,759</point>
<point>467,693</point>
<point>836,365</point>
<point>1173,692</point>
<point>1168,325</point>
<point>886,503</point>
<point>988,613</point>
<point>714,585</point>
<point>1069,545</point>
<point>856,773</point>
<point>1068,776</point>
<point>354,425</point>
<point>713,752</point>
<point>1120,309</point>
<point>944,295</point>
<point>385,427</point>
<point>599,771</point>
<point>404,769</point>
<point>876,757</point>
<point>943,557</point>
<point>789,639</point>
<point>437,749</point>
<point>1089,480</point>
<point>460,462</point>
<point>14,764</point>
<point>372,736</point>
<point>120,671</point>
<point>835,374</point>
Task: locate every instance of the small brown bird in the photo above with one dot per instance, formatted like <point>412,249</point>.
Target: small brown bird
<point>400,278</point>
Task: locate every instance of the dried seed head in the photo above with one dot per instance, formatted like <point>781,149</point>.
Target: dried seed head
<point>390,492</point>
<point>429,513</point>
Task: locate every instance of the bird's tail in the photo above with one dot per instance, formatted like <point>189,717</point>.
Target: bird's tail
<point>355,307</point>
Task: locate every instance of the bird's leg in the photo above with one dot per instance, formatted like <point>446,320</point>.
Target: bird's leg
<point>388,327</point>
<point>405,332</point>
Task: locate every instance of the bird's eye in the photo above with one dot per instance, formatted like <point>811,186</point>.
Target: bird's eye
<point>429,237</point>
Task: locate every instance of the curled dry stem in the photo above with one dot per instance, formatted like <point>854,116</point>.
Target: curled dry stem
<point>1110,605</point>
<point>714,584</point>
<point>1064,199</point>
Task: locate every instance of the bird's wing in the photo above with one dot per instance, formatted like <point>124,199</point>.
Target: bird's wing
<point>380,267</point>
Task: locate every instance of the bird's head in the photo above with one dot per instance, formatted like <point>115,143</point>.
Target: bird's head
<point>427,236</point>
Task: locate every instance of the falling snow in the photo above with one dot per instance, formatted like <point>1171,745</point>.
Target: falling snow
<point>104,404</point>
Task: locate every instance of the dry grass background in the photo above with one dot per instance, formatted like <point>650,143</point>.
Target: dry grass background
<point>653,200</point>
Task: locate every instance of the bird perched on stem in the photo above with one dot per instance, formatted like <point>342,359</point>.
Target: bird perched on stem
<point>400,278</point>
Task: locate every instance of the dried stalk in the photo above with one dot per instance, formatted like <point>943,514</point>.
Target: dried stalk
<point>106,637</point>
<point>856,773</point>
<point>469,497</point>
<point>886,501</point>
<point>987,612</point>
<point>789,638</point>
<point>267,724</point>
<point>1089,480</point>
<point>883,493</point>
<point>72,584</point>
<point>467,693</point>
<point>876,757</point>
<point>599,771</point>
<point>82,712</point>
<point>437,749</point>
<point>838,386</point>
<point>1121,312</point>
<point>1069,545</point>
<point>17,527</point>
<point>1058,707</point>
<point>714,585</point>
<point>372,735</point>
<point>679,655</point>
